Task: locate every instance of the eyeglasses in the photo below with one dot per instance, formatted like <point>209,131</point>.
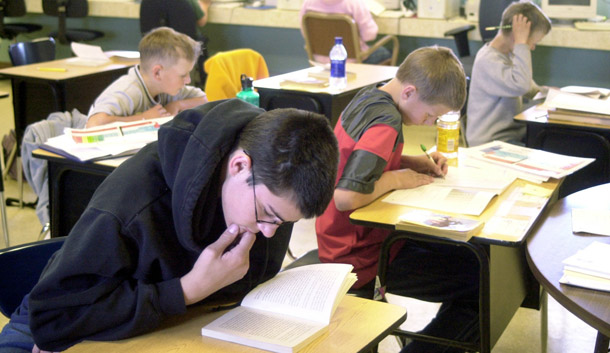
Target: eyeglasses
<point>275,223</point>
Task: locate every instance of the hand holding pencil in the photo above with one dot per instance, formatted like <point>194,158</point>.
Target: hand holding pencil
<point>440,162</point>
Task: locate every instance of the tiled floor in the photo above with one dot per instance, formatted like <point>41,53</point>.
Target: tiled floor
<point>567,334</point>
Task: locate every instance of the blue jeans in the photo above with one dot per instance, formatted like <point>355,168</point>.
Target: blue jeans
<point>16,336</point>
<point>378,56</point>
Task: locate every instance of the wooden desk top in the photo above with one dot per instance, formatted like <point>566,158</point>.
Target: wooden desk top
<point>552,241</point>
<point>539,115</point>
<point>355,325</point>
<point>366,74</point>
<point>386,215</point>
<point>72,71</point>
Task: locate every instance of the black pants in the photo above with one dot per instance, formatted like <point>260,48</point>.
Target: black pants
<point>438,273</point>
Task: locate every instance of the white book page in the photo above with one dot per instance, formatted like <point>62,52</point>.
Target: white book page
<point>453,200</point>
<point>309,292</point>
<point>263,330</point>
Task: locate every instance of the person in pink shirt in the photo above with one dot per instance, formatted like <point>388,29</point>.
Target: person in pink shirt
<point>359,12</point>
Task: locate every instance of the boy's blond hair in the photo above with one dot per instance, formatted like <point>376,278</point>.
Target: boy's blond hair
<point>165,45</point>
<point>437,74</point>
<point>539,21</point>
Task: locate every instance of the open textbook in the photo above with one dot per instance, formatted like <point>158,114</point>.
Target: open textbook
<point>288,311</point>
<point>106,141</point>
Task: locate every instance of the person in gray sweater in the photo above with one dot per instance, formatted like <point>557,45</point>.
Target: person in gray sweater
<point>502,75</point>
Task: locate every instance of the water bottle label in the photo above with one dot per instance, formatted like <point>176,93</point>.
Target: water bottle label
<point>337,68</point>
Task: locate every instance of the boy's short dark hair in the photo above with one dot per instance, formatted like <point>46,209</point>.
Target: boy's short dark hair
<point>294,151</point>
<point>437,74</point>
<point>163,44</point>
<point>539,21</point>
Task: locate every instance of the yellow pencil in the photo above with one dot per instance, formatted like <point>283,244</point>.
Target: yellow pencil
<point>52,69</point>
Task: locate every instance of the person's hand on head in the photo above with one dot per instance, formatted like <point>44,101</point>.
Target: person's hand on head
<point>521,29</point>
<point>219,264</point>
<point>157,111</point>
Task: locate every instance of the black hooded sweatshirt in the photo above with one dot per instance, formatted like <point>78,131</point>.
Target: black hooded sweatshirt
<point>118,272</point>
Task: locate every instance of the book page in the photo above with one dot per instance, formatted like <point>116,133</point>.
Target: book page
<point>453,200</point>
<point>274,332</point>
<point>310,292</point>
<point>479,177</point>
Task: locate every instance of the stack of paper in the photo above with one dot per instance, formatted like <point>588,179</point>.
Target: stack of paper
<point>589,267</point>
<point>534,165</point>
<point>443,225</point>
<point>579,104</point>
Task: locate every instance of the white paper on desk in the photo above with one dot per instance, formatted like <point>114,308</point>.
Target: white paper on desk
<point>528,160</point>
<point>454,200</point>
<point>588,220</point>
<point>87,55</point>
<point>474,177</point>
<point>578,102</point>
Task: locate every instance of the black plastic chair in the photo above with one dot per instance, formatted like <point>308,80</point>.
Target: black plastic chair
<point>490,15</point>
<point>20,269</point>
<point>63,9</point>
<point>586,144</point>
<point>178,15</point>
<point>24,53</point>
<point>14,8</point>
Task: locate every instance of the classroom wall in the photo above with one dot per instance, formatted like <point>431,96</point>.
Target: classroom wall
<point>283,48</point>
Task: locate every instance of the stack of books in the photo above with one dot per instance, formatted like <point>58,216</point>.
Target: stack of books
<point>588,105</point>
<point>588,268</point>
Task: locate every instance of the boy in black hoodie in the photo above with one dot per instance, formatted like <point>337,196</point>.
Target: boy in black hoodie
<point>190,217</point>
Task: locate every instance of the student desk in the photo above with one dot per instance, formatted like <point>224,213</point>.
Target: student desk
<point>505,281</point>
<point>322,100</point>
<point>552,241</point>
<point>357,326</point>
<point>574,139</point>
<point>37,93</point>
<point>71,186</point>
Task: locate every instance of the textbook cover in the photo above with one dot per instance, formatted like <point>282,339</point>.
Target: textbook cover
<point>438,224</point>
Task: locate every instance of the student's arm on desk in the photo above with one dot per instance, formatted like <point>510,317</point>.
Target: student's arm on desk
<point>346,200</point>
<point>177,106</point>
<point>157,111</point>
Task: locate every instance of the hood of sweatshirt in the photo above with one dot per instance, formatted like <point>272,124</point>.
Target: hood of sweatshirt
<point>191,150</point>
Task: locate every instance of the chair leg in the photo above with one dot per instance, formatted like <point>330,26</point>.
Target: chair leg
<point>20,181</point>
<point>4,218</point>
<point>9,162</point>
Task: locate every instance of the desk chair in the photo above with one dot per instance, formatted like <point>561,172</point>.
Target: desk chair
<point>178,15</point>
<point>14,8</point>
<point>63,9</point>
<point>20,268</point>
<point>586,144</point>
<point>320,30</point>
<point>490,14</point>
<point>24,53</point>
<point>225,68</point>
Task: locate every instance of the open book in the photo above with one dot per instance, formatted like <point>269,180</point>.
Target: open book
<point>287,312</point>
<point>441,225</point>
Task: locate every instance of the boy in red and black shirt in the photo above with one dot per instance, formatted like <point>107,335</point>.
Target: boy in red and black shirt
<point>429,83</point>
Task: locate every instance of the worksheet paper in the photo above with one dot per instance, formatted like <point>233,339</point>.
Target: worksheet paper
<point>594,221</point>
<point>446,199</point>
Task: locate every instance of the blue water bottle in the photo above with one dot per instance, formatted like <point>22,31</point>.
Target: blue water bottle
<point>338,56</point>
